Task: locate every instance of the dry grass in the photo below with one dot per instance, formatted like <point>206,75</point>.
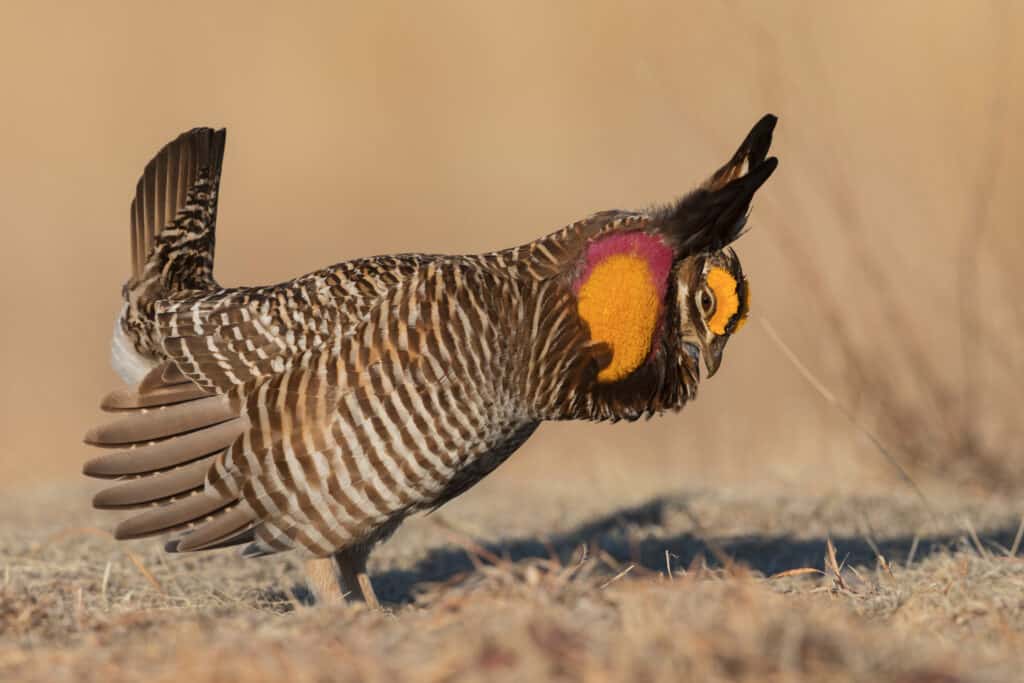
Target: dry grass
<point>940,412</point>
<point>936,379</point>
<point>636,594</point>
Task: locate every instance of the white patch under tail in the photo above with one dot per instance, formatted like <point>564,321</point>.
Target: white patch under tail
<point>131,365</point>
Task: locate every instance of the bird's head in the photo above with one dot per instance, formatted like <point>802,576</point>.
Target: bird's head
<point>712,299</point>
<point>662,291</point>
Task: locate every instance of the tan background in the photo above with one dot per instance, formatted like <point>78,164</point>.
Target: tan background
<point>461,127</point>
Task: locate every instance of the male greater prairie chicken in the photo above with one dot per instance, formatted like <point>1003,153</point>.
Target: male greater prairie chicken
<point>317,414</point>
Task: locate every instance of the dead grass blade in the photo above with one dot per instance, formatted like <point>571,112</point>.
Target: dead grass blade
<point>475,551</point>
<point>799,571</point>
<point>869,538</point>
<point>617,576</point>
<point>105,583</point>
<point>969,526</point>
<point>820,387</point>
<point>833,567</point>
<point>608,560</point>
<point>137,561</point>
<point>567,573</point>
<point>913,548</point>
<point>1015,548</point>
<point>716,549</point>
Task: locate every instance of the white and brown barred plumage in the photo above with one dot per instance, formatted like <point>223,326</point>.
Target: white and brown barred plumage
<point>318,413</point>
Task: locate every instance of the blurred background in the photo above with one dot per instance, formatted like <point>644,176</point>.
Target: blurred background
<point>884,252</point>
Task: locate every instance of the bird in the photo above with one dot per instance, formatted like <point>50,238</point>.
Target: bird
<point>317,414</point>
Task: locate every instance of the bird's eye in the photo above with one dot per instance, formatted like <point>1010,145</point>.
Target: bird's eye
<point>706,301</point>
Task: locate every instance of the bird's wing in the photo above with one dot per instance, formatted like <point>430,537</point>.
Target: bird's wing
<point>232,337</point>
<point>228,339</point>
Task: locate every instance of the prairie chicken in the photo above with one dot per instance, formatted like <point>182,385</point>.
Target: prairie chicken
<point>319,413</point>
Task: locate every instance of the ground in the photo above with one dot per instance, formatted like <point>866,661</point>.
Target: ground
<point>701,584</point>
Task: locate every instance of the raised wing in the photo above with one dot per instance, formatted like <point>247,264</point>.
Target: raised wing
<point>237,336</point>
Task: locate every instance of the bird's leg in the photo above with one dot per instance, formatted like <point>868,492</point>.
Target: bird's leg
<point>322,579</point>
<point>354,579</point>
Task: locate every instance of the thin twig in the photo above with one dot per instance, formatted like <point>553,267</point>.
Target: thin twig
<point>844,411</point>
<point>617,576</point>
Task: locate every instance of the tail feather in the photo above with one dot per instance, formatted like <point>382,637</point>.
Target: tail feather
<point>172,452</point>
<point>178,189</point>
<point>225,529</point>
<point>173,221</point>
<point>163,422</point>
<point>127,399</point>
<point>177,515</point>
<point>170,433</point>
<point>154,488</point>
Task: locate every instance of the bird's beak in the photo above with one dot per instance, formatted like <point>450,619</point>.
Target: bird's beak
<point>712,352</point>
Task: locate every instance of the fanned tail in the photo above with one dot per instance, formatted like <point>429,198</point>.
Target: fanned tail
<point>167,434</point>
<point>174,212</point>
<point>173,221</point>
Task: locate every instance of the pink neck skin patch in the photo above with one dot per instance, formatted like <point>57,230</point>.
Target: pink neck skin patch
<point>650,248</point>
<point>619,293</point>
<point>653,250</point>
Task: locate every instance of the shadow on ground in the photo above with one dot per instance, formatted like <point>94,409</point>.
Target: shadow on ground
<point>638,535</point>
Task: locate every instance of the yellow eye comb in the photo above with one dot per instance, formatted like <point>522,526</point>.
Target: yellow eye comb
<point>727,301</point>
